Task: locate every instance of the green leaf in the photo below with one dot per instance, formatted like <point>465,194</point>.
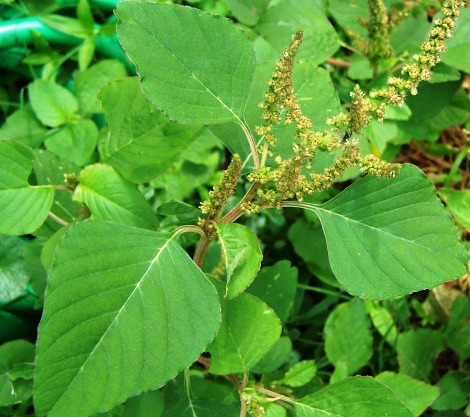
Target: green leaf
<point>249,329</point>
<point>142,142</point>
<point>24,127</point>
<point>416,350</point>
<point>183,212</point>
<point>202,407</point>
<point>457,331</point>
<point>282,20</point>
<point>75,142</point>
<point>416,395</point>
<point>275,357</point>
<point>348,340</point>
<point>89,82</point>
<point>14,388</point>
<point>458,203</point>
<point>454,387</point>
<point>53,104</point>
<point>196,67</point>
<point>23,208</point>
<point>276,286</point>
<point>390,237</point>
<point>299,374</point>
<point>125,311</point>
<point>242,254</point>
<point>14,276</point>
<point>111,197</point>
<point>247,11</point>
<point>383,321</point>
<point>352,397</point>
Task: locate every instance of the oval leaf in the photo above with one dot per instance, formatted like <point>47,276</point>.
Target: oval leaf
<point>242,255</point>
<point>352,397</point>
<point>111,197</point>
<point>125,311</point>
<point>249,329</point>
<point>193,75</point>
<point>390,237</point>
<point>23,208</point>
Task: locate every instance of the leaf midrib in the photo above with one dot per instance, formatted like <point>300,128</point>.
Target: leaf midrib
<point>118,313</point>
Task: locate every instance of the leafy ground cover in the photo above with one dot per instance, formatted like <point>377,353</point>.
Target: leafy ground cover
<point>232,208</point>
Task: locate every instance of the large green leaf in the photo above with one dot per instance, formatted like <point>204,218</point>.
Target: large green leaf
<point>348,341</point>
<point>202,407</point>
<point>23,208</point>
<point>142,142</point>
<point>390,237</point>
<point>125,311</point>
<point>249,329</point>
<point>111,197</point>
<point>352,397</point>
<point>242,254</point>
<point>196,67</point>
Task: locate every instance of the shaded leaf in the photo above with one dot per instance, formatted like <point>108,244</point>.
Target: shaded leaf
<point>276,286</point>
<point>142,142</point>
<point>300,374</point>
<point>416,350</point>
<point>16,386</point>
<point>14,275</point>
<point>348,340</point>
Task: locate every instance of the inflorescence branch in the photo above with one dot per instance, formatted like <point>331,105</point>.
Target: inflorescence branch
<point>292,177</point>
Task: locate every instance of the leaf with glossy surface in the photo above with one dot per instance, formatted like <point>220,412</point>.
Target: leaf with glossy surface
<point>249,329</point>
<point>23,208</point>
<point>142,142</point>
<point>352,397</point>
<point>390,237</point>
<point>187,68</point>
<point>125,311</point>
<point>348,340</point>
<point>242,254</point>
<point>111,197</point>
<point>416,395</point>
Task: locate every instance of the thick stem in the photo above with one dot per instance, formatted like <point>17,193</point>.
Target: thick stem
<point>236,212</point>
<point>200,252</point>
<point>275,395</point>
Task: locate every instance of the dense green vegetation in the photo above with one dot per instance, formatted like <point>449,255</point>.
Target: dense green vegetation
<point>234,208</point>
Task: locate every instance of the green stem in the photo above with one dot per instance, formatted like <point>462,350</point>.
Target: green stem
<point>200,252</point>
<point>322,291</point>
<point>455,166</point>
<point>188,229</point>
